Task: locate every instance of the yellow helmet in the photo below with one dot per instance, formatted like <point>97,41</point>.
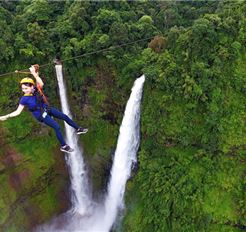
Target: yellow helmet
<point>27,80</point>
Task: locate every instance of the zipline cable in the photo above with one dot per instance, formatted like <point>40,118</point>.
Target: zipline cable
<point>85,54</point>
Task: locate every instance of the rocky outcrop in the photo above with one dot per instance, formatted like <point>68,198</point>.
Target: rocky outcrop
<point>30,193</point>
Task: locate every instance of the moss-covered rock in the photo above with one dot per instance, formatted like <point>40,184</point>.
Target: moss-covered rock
<point>33,182</point>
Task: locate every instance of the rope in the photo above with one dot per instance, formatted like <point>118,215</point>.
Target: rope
<point>85,54</point>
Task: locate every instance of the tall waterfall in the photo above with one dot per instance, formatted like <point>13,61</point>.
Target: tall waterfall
<point>125,154</point>
<point>74,160</point>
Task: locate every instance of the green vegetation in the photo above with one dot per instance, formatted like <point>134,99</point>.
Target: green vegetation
<point>192,155</point>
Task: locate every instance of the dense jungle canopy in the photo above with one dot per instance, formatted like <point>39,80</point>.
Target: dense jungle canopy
<point>191,170</point>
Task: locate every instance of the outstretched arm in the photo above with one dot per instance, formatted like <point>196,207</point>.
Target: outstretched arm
<point>35,73</point>
<point>13,114</point>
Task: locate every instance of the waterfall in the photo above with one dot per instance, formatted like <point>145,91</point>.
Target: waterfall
<point>125,154</point>
<point>74,160</point>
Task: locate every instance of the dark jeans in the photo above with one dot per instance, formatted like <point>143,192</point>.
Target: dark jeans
<point>52,123</point>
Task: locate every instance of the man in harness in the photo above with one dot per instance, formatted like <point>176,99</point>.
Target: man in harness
<point>37,103</point>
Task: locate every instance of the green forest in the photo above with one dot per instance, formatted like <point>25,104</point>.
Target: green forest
<point>191,161</point>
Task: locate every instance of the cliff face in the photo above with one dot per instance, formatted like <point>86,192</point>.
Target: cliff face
<point>33,188</point>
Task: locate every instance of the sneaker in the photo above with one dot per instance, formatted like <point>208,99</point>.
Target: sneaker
<point>66,148</point>
<point>81,130</point>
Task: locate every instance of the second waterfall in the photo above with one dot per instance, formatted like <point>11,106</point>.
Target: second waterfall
<point>78,175</point>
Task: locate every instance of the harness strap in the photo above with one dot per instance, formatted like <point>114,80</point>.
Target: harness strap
<point>39,101</point>
<point>42,95</point>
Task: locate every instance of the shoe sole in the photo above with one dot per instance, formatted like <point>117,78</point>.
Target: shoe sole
<point>78,133</point>
<point>70,151</point>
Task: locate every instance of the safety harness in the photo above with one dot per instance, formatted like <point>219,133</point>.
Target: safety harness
<point>40,99</point>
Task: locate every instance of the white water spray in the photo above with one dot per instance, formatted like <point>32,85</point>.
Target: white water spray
<point>74,160</point>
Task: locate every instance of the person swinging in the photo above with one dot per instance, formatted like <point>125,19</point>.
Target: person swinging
<point>36,102</point>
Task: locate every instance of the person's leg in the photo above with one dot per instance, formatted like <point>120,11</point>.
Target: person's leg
<point>52,123</point>
<point>58,114</point>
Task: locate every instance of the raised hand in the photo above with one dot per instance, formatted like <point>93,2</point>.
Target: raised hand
<point>33,71</point>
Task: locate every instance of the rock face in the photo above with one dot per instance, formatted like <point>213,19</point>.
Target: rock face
<point>30,193</point>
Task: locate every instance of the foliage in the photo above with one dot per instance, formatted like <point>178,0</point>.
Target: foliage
<point>192,155</point>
